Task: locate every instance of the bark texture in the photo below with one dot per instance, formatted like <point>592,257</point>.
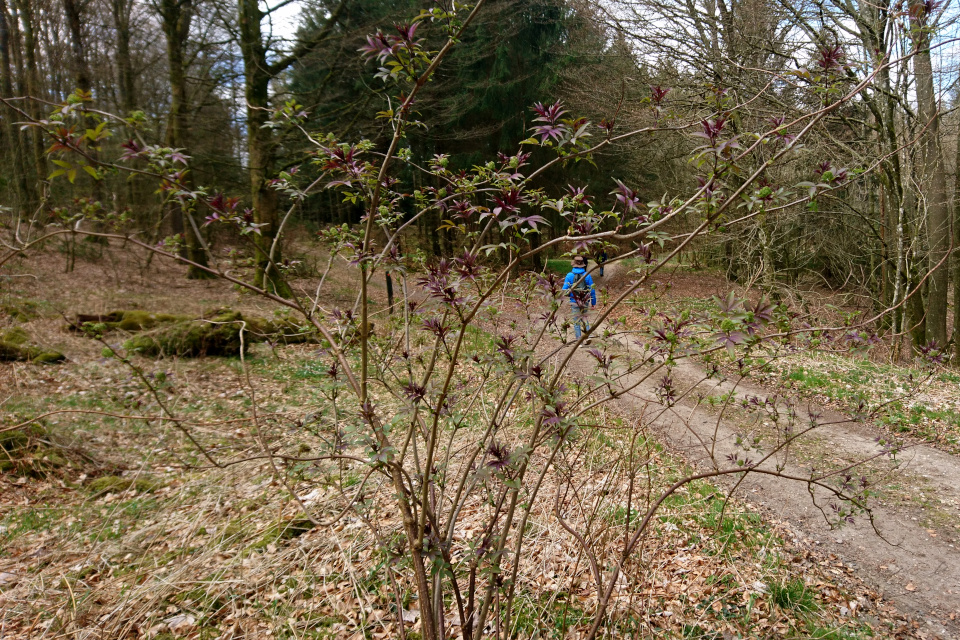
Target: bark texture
<point>934,184</point>
<point>177,15</point>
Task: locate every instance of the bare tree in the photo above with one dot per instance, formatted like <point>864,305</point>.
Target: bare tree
<point>12,137</point>
<point>176,17</point>
<point>934,174</point>
<point>259,71</point>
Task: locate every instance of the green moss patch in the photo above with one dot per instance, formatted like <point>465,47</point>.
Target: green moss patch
<point>285,530</point>
<point>22,310</point>
<point>129,320</point>
<point>116,484</point>
<point>218,335</point>
<point>28,452</point>
<point>15,347</point>
<point>15,336</point>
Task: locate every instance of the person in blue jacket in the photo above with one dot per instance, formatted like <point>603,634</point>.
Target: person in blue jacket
<point>582,293</point>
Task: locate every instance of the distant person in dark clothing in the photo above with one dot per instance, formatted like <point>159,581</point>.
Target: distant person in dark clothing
<point>601,260</point>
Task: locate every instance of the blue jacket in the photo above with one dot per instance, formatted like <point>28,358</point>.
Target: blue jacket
<point>572,278</point>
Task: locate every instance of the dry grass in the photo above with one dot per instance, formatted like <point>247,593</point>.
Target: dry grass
<point>210,554</point>
<point>208,548</point>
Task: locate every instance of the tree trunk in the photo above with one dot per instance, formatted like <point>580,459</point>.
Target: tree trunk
<point>915,312</point>
<point>768,277</point>
<point>81,72</point>
<point>935,186</point>
<point>535,242</point>
<point>25,187</point>
<point>126,83</point>
<point>177,16</point>
<point>389,292</point>
<point>261,150</point>
<point>874,23</point>
<point>432,229</point>
<point>31,78</point>
<point>956,259</point>
<point>266,204</point>
<point>260,145</point>
<point>125,79</point>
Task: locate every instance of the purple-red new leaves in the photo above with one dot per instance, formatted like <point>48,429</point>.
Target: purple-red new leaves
<point>508,201</point>
<point>579,196</point>
<point>131,150</point>
<point>343,159</point>
<point>499,456</point>
<point>551,126</point>
<point>732,315</point>
<point>401,55</point>
<point>439,284</point>
<point>626,196</point>
<point>467,266</point>
<point>378,46</point>
<point>657,94</point>
<point>434,326</point>
<point>461,209</point>
<point>223,208</point>
<point>780,132</point>
<point>382,46</point>
<point>711,131</point>
<point>414,392</point>
<point>740,324</point>
<point>831,58</point>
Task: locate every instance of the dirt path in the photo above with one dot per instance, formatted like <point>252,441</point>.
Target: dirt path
<point>917,567</point>
<point>916,562</point>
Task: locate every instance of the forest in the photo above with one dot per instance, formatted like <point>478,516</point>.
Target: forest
<point>491,319</point>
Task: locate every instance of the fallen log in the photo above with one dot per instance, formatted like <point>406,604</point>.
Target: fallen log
<point>224,334</point>
<point>14,347</point>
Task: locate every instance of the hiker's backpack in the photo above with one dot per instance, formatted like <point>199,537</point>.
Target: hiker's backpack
<point>580,291</point>
<point>580,284</point>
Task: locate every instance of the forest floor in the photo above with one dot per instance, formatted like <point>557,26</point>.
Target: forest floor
<point>909,549</point>
<point>122,531</point>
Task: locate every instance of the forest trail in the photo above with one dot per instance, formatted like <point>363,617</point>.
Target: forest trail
<point>913,565</point>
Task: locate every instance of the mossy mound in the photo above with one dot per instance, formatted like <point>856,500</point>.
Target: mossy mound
<point>141,320</point>
<point>22,311</point>
<point>28,452</point>
<point>116,484</point>
<point>131,320</point>
<point>215,335</point>
<point>15,336</point>
<point>280,331</point>
<point>14,347</point>
<point>39,356</point>
<point>218,336</point>
<point>285,530</point>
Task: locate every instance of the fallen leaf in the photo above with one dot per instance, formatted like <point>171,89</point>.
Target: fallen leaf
<point>911,587</point>
<point>181,624</point>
